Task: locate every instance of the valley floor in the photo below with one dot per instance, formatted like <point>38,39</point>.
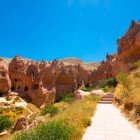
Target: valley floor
<point>109,124</point>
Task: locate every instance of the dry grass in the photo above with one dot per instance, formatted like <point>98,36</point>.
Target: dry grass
<point>75,117</point>
<point>33,108</point>
<point>131,104</point>
<point>78,114</point>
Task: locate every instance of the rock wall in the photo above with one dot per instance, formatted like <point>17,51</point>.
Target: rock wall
<point>45,82</point>
<point>41,82</point>
<point>128,53</point>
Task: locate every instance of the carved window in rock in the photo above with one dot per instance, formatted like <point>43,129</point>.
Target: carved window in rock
<point>13,88</point>
<point>15,79</point>
<point>1,94</point>
<point>3,74</point>
<point>26,88</point>
<point>35,86</point>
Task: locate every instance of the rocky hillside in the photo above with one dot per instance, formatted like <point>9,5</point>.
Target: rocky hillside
<point>75,61</point>
<point>45,82</point>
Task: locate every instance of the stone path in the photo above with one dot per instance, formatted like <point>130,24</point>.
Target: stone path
<point>109,124</point>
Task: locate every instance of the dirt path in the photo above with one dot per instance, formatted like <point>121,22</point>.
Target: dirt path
<point>109,124</point>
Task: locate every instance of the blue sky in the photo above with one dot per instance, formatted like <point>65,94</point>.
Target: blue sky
<point>56,29</point>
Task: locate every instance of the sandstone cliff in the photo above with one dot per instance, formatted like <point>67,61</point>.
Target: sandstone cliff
<point>45,82</point>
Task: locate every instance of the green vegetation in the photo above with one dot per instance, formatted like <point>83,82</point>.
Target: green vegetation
<point>51,109</point>
<point>68,124</point>
<point>137,64</point>
<point>52,130</point>
<point>68,97</point>
<point>126,83</point>
<point>5,122</point>
<point>88,88</point>
<point>107,85</point>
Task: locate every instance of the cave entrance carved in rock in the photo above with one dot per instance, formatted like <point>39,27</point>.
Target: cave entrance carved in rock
<point>13,88</point>
<point>1,94</point>
<point>64,84</point>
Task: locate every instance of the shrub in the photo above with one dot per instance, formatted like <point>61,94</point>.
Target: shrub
<point>5,122</point>
<point>126,82</point>
<point>137,110</point>
<point>53,110</point>
<point>128,105</point>
<point>88,88</point>
<point>137,75</point>
<point>68,98</point>
<point>110,82</point>
<point>137,64</point>
<point>106,89</point>
<point>52,130</point>
<point>117,100</point>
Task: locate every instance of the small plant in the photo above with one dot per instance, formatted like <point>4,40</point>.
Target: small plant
<point>126,82</point>
<point>137,64</point>
<point>19,110</point>
<point>8,98</point>
<point>68,98</point>
<point>106,89</point>
<point>137,75</point>
<point>51,109</point>
<point>110,83</point>
<point>5,122</point>
<point>128,105</point>
<point>5,103</point>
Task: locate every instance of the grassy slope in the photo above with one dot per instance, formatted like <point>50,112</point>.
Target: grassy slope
<point>130,104</point>
<point>68,124</point>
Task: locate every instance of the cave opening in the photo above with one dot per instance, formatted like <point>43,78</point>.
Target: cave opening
<point>15,79</point>
<point>64,85</point>
<point>1,94</point>
<point>26,88</point>
<point>13,88</point>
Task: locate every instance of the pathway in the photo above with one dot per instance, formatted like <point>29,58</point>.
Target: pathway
<point>110,124</point>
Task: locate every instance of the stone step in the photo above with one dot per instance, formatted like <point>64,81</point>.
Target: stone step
<point>107,99</point>
<point>108,96</point>
<point>105,102</point>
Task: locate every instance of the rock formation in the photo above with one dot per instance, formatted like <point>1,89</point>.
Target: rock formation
<point>42,82</point>
<point>45,82</point>
<point>128,53</point>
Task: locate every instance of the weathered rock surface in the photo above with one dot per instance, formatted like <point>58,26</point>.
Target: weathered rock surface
<point>128,53</point>
<point>45,82</point>
<point>21,124</point>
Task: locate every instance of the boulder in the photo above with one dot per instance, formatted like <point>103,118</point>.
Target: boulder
<point>21,124</point>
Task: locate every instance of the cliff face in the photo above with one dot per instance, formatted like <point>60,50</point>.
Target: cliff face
<point>42,82</point>
<point>130,40</point>
<point>128,53</point>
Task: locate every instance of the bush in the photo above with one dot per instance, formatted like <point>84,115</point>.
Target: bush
<point>106,89</point>
<point>68,98</point>
<point>126,82</point>
<point>53,110</point>
<point>5,122</point>
<point>88,88</point>
<point>110,82</point>
<point>52,130</point>
<point>137,64</point>
<point>128,105</point>
<point>137,110</point>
